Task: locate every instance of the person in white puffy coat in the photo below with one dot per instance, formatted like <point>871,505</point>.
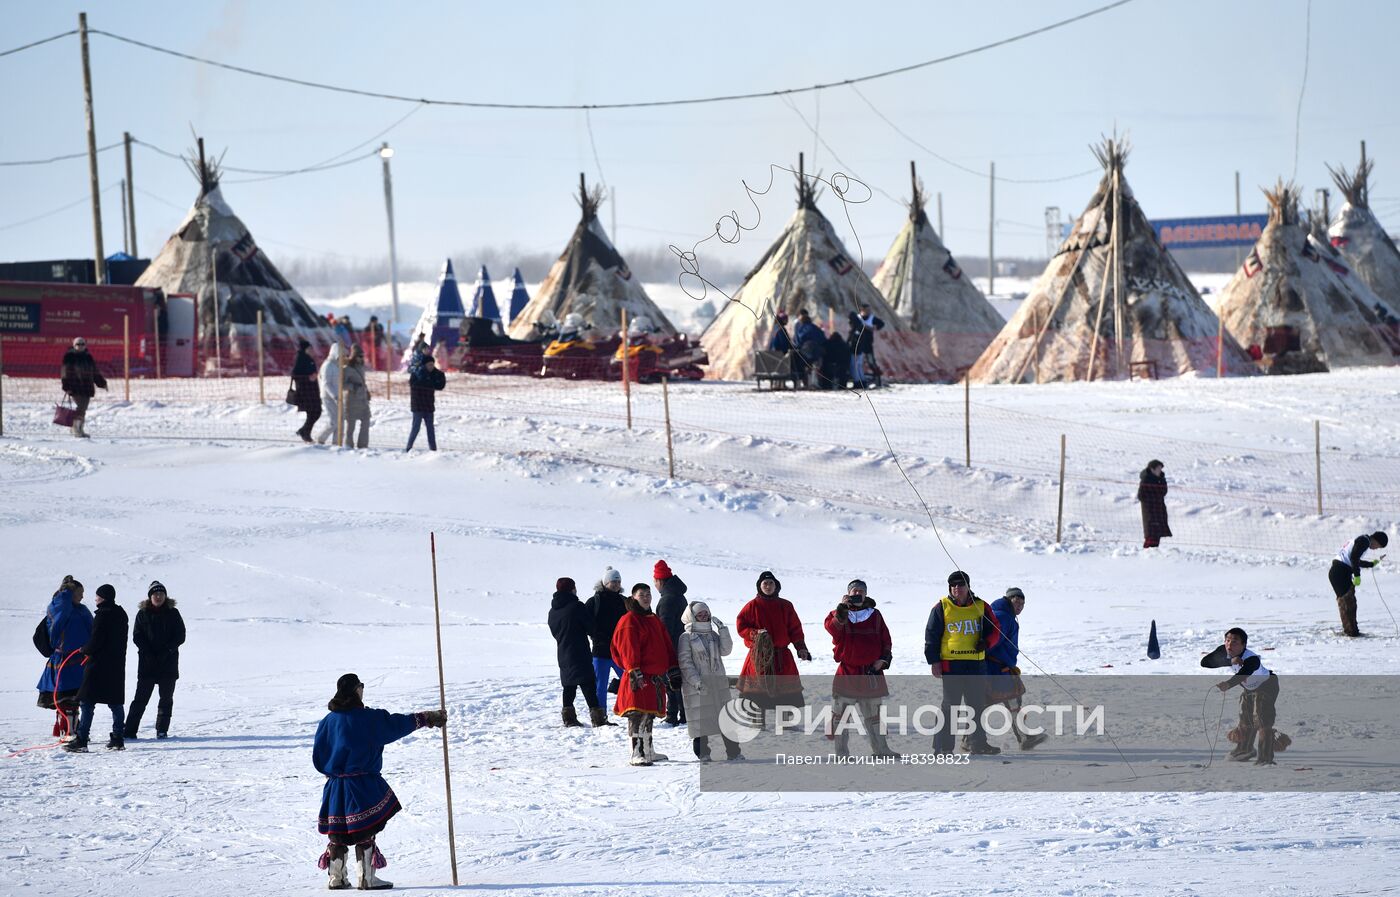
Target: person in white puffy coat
<point>330,393</point>
<point>700,651</point>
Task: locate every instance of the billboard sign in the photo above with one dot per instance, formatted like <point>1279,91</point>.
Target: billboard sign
<point>1207,233</point>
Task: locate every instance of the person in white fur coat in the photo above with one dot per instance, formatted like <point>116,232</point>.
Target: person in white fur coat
<point>701,650</point>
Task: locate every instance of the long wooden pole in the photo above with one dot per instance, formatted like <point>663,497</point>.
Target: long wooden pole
<point>155,328</point>
<point>2,386</point>
<point>670,448</point>
<point>967,419</point>
<point>626,374</point>
<point>1118,271</point>
<point>1317,448</point>
<point>1219,347</point>
<point>442,705</point>
<point>262,394</point>
<point>101,259</point>
<point>126,358</point>
<point>218,325</point>
<point>135,250</point>
<point>1060,513</point>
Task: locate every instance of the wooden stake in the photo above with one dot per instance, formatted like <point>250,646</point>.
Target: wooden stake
<point>1060,514</point>
<point>626,376</point>
<point>218,325</point>
<point>388,383</point>
<point>126,357</point>
<point>262,395</point>
<point>2,386</point>
<point>1317,447</point>
<point>340,400</point>
<point>155,328</point>
<point>967,418</point>
<point>442,705</point>
<point>670,448</point>
<point>1219,347</point>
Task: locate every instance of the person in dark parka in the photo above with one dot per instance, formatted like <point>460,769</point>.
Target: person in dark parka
<point>159,632</point>
<point>1152,494</point>
<point>570,623</point>
<point>671,610</point>
<point>607,608</point>
<point>104,671</point>
<point>69,625</point>
<point>305,390</point>
<point>80,378</point>
<point>424,382</point>
<point>835,363</point>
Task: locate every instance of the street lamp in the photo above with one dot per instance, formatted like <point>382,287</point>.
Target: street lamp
<point>386,153</point>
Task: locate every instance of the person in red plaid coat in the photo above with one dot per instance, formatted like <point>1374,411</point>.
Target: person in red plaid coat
<point>861,646</point>
<point>647,654</point>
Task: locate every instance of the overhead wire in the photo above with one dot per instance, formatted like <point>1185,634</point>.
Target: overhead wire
<point>38,43</point>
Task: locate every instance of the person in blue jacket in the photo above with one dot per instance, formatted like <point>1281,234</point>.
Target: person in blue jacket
<point>356,802</point>
<point>1004,675</point>
<point>69,626</point>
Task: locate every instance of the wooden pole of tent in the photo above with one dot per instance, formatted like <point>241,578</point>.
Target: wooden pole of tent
<point>1060,513</point>
<point>1098,318</point>
<point>442,705</point>
<point>126,358</point>
<point>340,401</point>
<point>1040,334</point>
<point>1118,269</point>
<point>262,395</point>
<point>626,374</point>
<point>670,447</point>
<point>218,325</point>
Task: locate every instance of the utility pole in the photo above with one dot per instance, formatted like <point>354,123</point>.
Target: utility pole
<point>130,197</point>
<point>386,153</point>
<point>942,234</point>
<point>101,260</point>
<point>992,236</point>
<point>1237,214</point>
<point>126,234</point>
<point>613,196</point>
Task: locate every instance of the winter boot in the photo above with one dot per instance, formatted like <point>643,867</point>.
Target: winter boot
<point>702,748</point>
<point>369,881</point>
<point>1245,749</point>
<point>79,745</point>
<point>1346,607</point>
<point>339,880</point>
<point>599,717</point>
<point>70,724</point>
<point>1030,741</point>
<point>843,743</point>
<point>1266,748</point>
<point>638,756</point>
<point>115,742</point>
<point>571,718</point>
<point>652,755</point>
<point>162,725</point>
<point>879,745</point>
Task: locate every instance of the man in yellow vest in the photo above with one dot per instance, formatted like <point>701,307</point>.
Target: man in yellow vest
<point>961,627</point>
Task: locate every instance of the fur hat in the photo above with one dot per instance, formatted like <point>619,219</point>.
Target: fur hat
<point>768,574</point>
<point>661,571</point>
<point>611,575</point>
<point>106,592</point>
<point>564,584</point>
<point>346,696</point>
<point>959,578</point>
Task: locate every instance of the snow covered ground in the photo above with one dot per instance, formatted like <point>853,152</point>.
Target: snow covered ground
<point>293,565</point>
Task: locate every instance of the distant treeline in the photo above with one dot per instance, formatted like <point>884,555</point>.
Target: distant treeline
<point>653,264</point>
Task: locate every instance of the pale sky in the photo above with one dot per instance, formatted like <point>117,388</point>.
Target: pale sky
<point>1202,87</point>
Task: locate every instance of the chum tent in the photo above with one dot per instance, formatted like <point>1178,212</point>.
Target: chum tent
<point>924,283</point>
<point>1112,303</point>
<point>519,297</point>
<point>1360,237</point>
<point>484,298</point>
<point>212,255</point>
<point>590,279</point>
<point>808,267</point>
<point>1297,305</point>
<point>441,321</point>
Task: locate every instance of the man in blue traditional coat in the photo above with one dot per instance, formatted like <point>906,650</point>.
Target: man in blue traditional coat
<point>356,802</point>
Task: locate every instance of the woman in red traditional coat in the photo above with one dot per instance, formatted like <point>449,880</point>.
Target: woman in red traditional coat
<point>861,646</point>
<point>768,625</point>
<point>647,654</point>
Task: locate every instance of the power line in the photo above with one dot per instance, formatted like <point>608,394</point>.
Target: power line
<point>39,43</point>
<point>87,197</point>
<point>319,85</point>
<point>64,158</point>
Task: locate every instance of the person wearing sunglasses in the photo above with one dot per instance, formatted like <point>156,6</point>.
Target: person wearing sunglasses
<point>80,378</point>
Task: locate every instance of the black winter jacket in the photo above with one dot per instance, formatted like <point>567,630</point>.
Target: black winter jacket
<point>158,634</point>
<point>80,375</point>
<point>607,609</point>
<point>304,387</point>
<point>104,669</point>
<point>571,623</point>
<point>672,605</point>
<point>422,391</point>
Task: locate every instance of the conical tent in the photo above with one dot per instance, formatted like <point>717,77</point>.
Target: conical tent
<point>1297,305</point>
<point>1111,304</point>
<point>519,298</point>
<point>923,283</point>
<point>590,279</point>
<point>484,298</point>
<point>1361,239</point>
<point>441,321</point>
<point>808,267</point>
<point>213,248</point>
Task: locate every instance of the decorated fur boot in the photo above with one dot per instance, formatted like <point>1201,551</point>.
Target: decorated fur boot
<point>335,867</point>
<point>365,857</point>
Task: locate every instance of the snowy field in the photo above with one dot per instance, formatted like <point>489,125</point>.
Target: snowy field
<point>294,564</point>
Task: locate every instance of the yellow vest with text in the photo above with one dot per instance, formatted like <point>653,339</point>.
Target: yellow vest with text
<point>962,629</point>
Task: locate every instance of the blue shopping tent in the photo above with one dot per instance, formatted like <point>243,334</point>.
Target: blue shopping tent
<point>484,298</point>
<point>518,297</point>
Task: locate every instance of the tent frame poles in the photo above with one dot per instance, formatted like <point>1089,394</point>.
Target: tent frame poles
<point>1118,266</point>
<point>1098,318</point>
<point>1035,348</point>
